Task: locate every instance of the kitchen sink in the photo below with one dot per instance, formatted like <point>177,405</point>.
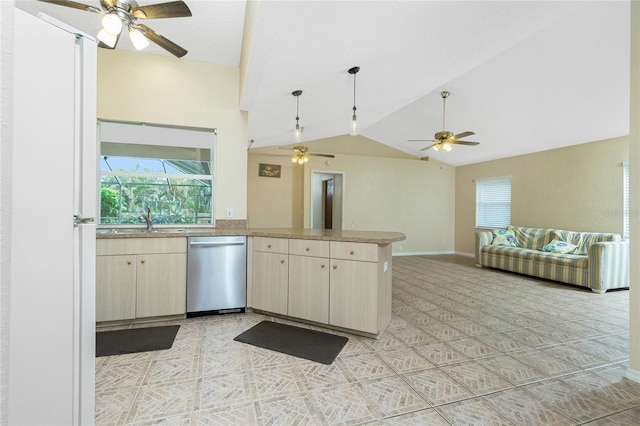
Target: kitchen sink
<point>116,231</point>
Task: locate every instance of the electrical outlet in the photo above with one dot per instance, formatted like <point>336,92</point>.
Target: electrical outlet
<point>229,213</point>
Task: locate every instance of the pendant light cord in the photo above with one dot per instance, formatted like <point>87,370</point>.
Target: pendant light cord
<point>354,93</point>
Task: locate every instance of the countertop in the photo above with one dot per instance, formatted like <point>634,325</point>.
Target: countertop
<point>371,237</point>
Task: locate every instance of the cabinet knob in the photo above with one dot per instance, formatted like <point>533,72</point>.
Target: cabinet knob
<point>351,251</point>
<point>307,249</point>
<point>269,245</point>
<point>335,266</point>
<point>142,261</point>
<point>281,260</point>
<point>128,262</point>
<point>322,265</point>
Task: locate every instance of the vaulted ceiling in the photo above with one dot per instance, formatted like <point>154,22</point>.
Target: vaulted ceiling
<point>525,76</point>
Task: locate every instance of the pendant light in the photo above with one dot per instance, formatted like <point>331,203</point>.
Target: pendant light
<point>354,120</point>
<point>297,133</point>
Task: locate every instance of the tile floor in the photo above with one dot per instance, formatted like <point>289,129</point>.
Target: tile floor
<point>466,346</point>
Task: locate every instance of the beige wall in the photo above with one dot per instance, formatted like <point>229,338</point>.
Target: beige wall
<point>385,194</point>
<point>140,87</point>
<point>576,188</point>
<point>270,200</point>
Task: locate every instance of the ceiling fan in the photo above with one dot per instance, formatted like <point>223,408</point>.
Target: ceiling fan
<point>119,14</point>
<point>444,139</point>
<point>301,154</point>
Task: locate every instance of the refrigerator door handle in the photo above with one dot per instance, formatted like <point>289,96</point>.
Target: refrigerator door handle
<point>79,220</point>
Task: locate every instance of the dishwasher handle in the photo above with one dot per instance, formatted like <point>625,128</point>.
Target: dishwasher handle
<point>216,243</point>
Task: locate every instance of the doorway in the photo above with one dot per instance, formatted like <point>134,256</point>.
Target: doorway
<point>327,192</point>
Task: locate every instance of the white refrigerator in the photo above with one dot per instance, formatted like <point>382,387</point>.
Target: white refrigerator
<point>49,228</point>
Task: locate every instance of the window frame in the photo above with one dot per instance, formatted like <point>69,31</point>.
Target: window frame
<point>491,187</point>
<point>154,136</point>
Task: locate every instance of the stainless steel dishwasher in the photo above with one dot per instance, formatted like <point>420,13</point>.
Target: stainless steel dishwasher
<point>216,275</point>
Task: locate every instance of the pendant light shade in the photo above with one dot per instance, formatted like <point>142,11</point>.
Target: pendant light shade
<point>107,38</point>
<point>297,132</point>
<point>112,23</point>
<point>138,39</point>
<point>354,120</point>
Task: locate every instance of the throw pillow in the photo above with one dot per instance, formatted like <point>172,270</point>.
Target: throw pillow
<point>502,237</point>
<point>559,246</point>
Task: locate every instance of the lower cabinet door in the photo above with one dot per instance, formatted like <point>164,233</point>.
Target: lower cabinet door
<point>309,288</point>
<point>162,284</point>
<point>270,281</point>
<point>353,301</point>
<point>115,288</point>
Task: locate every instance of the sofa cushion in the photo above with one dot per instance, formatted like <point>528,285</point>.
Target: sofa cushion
<point>502,237</point>
<point>532,255</point>
<point>559,246</point>
<point>584,240</point>
<point>531,238</point>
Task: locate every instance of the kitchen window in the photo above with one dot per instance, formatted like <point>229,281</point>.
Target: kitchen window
<point>173,178</point>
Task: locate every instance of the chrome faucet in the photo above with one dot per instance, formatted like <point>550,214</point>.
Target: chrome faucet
<point>148,219</point>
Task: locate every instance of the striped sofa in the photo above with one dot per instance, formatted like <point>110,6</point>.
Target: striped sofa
<point>600,261</point>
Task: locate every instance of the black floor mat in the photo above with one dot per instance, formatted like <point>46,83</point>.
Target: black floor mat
<point>134,340</point>
<point>299,342</point>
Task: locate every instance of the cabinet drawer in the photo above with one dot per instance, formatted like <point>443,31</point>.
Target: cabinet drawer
<point>354,251</point>
<point>309,248</point>
<point>273,245</point>
<point>140,245</point>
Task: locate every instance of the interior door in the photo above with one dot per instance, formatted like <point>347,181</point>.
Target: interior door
<point>52,326</point>
<point>327,192</point>
<point>327,200</point>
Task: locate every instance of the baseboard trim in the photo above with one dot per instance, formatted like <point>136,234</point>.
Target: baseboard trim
<point>433,253</point>
<point>422,253</point>
<point>633,375</point>
<point>465,254</point>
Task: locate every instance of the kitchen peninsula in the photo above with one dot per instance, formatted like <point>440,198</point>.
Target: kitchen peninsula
<point>339,279</point>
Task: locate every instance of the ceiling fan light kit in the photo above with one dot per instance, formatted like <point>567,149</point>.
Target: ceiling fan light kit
<point>354,120</point>
<point>119,14</point>
<point>300,155</point>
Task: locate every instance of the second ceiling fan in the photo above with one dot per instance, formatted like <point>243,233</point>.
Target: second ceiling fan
<point>444,139</point>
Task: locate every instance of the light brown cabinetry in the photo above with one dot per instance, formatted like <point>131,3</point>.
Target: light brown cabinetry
<point>340,284</point>
<point>271,274</point>
<point>115,287</point>
<point>309,280</point>
<point>358,286</point>
<point>140,277</point>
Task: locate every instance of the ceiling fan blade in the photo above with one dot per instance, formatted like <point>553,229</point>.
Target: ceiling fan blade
<point>463,135</point>
<point>312,154</point>
<point>291,146</point>
<point>420,140</point>
<point>174,9</point>
<point>162,41</point>
<point>427,147</point>
<point>465,143</point>
<point>74,5</point>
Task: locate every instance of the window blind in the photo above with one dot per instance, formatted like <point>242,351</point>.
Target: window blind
<point>493,202</point>
<point>626,201</point>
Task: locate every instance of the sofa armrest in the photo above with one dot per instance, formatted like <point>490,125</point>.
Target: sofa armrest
<point>483,238</point>
<point>608,265</point>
